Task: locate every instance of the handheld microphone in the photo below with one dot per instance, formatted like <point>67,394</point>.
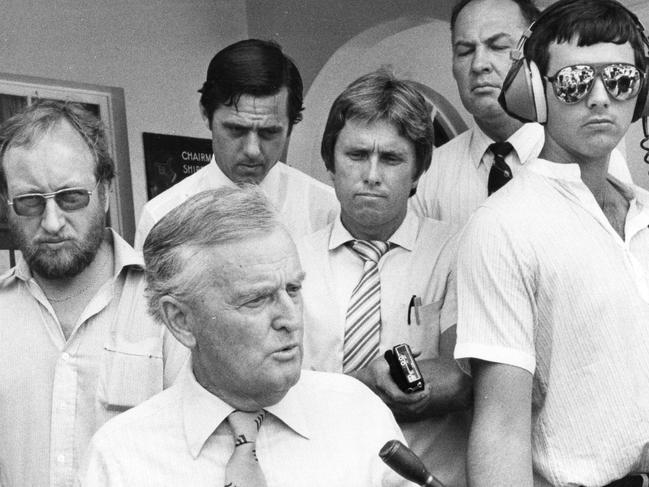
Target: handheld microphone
<point>403,460</point>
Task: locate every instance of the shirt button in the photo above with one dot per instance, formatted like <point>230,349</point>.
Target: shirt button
<point>65,356</point>
<point>60,458</point>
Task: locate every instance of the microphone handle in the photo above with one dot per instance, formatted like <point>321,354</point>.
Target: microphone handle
<point>403,460</point>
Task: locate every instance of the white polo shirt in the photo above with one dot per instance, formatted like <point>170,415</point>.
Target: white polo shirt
<point>546,284</point>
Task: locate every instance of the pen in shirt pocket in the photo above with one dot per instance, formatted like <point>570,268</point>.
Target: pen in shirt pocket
<point>415,303</point>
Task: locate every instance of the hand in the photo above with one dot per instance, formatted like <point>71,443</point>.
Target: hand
<point>404,406</point>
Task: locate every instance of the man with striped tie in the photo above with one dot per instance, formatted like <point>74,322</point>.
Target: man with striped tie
<point>224,276</point>
<point>380,275</point>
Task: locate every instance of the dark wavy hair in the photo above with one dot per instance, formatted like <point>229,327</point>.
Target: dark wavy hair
<point>588,22</point>
<point>256,68</point>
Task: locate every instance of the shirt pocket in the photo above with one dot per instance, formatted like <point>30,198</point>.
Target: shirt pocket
<point>131,372</point>
<point>424,331</point>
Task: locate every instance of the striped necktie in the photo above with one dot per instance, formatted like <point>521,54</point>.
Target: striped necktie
<point>500,173</point>
<point>243,468</point>
<point>363,321</point>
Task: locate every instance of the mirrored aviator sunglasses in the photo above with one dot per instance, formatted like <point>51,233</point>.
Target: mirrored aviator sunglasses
<point>572,83</point>
<point>69,199</point>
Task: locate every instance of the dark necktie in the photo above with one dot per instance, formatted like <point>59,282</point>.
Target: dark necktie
<point>500,173</point>
<point>363,321</point>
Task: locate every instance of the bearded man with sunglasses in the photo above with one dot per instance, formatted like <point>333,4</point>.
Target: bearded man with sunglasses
<point>77,345</point>
<point>553,273</point>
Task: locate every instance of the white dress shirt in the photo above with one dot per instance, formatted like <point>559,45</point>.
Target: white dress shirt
<point>326,432</point>
<point>304,204</point>
<point>546,284</point>
<point>421,263</point>
<point>456,183</point>
<point>55,393</point>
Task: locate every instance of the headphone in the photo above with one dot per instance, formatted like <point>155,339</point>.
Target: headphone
<point>523,92</point>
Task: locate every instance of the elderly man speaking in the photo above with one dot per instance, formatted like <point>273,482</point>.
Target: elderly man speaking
<point>227,283</point>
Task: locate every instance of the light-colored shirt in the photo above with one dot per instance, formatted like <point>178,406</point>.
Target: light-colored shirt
<point>456,182</point>
<point>546,284</point>
<point>304,204</point>
<point>327,431</point>
<point>421,263</point>
<point>54,393</point>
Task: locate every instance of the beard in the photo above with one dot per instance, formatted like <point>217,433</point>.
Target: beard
<point>64,262</point>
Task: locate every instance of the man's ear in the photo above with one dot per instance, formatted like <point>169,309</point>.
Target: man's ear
<point>178,318</point>
<point>206,117</point>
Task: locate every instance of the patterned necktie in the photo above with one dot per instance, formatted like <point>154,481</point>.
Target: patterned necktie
<point>500,173</point>
<point>243,468</point>
<point>363,322</point>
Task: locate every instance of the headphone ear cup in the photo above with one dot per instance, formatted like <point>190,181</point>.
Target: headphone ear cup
<point>538,93</point>
<point>642,102</point>
<point>522,95</point>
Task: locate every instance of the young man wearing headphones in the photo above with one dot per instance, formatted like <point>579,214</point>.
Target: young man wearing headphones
<point>463,172</point>
<point>553,273</point>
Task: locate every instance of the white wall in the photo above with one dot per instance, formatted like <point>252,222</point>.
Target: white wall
<point>157,50</point>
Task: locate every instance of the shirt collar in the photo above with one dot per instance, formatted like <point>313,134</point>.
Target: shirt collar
<point>269,185</point>
<point>572,173</point>
<point>527,142</point>
<point>405,236</point>
<point>290,410</point>
<point>637,197</point>
<point>203,412</point>
<point>555,170</point>
<point>217,178</point>
<point>638,215</point>
<point>124,256</point>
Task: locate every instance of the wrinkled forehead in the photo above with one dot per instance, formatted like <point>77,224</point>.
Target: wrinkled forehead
<point>246,258</point>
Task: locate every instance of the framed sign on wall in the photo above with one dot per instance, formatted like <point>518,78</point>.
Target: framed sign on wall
<point>171,158</point>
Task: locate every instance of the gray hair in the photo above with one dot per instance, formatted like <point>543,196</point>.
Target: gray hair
<point>207,219</point>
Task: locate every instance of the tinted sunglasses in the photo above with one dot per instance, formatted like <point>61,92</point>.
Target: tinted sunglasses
<point>33,204</point>
<point>572,83</point>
